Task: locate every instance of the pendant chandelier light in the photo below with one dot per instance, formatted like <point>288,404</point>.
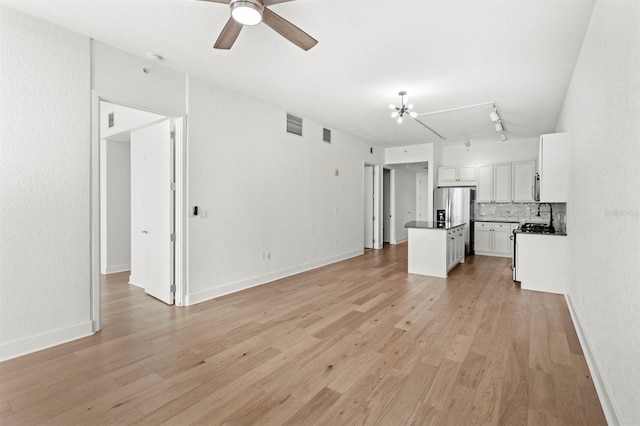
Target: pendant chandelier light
<point>399,112</point>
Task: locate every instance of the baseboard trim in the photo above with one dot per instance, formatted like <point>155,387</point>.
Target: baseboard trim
<point>116,268</point>
<point>592,363</point>
<point>204,295</point>
<point>401,240</point>
<point>42,341</point>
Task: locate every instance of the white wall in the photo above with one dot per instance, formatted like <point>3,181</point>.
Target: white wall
<point>44,196</point>
<point>416,154</point>
<point>115,206</point>
<point>490,152</point>
<point>117,76</point>
<point>264,190</point>
<point>601,113</point>
<point>408,154</point>
<point>125,119</point>
<point>405,202</point>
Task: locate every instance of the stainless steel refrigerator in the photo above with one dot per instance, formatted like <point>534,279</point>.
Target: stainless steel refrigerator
<point>456,205</point>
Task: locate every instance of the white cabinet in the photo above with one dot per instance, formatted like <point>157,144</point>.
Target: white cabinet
<point>434,252</point>
<point>484,188</point>
<point>554,165</point>
<point>551,251</point>
<point>523,181</point>
<point>502,183</point>
<point>494,183</point>
<point>455,247</point>
<point>493,239</point>
<point>457,175</point>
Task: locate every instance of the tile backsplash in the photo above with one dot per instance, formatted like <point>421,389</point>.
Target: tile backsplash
<point>522,212</point>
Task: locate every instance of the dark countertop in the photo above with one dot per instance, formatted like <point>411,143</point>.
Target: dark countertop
<point>495,221</point>
<point>421,224</point>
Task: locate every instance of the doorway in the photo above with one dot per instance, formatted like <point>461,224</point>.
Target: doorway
<point>369,206</point>
<point>140,186</point>
<point>387,236</point>
<point>422,187</point>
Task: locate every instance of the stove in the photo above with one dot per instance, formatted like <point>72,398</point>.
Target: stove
<point>537,228</point>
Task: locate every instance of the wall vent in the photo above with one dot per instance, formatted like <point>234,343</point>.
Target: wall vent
<point>294,124</point>
<point>111,119</point>
<point>326,135</point>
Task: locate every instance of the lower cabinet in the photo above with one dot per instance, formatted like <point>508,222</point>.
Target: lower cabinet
<point>493,239</point>
<point>534,250</point>
<point>455,247</point>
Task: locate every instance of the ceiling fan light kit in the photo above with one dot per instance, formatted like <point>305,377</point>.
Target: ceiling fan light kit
<point>247,12</point>
<point>253,12</point>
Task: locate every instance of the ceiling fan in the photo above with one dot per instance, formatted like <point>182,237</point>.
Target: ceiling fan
<point>252,12</point>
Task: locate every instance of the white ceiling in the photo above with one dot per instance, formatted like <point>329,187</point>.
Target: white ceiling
<point>445,53</point>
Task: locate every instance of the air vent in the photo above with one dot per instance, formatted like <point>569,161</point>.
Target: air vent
<point>326,135</point>
<point>111,119</point>
<point>294,124</point>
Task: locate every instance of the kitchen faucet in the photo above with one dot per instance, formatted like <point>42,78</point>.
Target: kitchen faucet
<point>550,213</point>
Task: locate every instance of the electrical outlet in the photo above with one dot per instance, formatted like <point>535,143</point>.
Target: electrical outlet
<point>263,256</point>
<point>268,255</point>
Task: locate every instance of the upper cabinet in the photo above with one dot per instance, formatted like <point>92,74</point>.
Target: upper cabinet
<point>457,176</point>
<point>494,183</point>
<point>524,181</point>
<point>554,164</point>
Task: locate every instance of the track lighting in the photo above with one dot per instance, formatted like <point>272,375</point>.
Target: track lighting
<point>400,111</point>
<point>497,123</point>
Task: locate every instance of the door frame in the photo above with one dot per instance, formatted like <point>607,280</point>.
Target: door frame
<point>377,203</point>
<point>179,206</point>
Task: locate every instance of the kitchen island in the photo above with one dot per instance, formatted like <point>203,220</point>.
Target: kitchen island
<point>435,247</point>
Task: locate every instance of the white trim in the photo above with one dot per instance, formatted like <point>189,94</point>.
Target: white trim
<point>401,240</point>
<point>180,208</point>
<point>204,295</point>
<point>116,268</point>
<point>608,406</point>
<point>180,256</point>
<point>46,340</point>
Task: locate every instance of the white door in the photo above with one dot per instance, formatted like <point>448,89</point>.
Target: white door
<point>502,182</point>
<point>386,206</point>
<point>368,206</point>
<point>485,183</point>
<point>152,204</point>
<point>502,240</point>
<point>423,196</point>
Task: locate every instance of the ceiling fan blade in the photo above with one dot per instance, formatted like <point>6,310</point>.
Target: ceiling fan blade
<point>287,30</point>
<point>272,2</point>
<point>228,35</point>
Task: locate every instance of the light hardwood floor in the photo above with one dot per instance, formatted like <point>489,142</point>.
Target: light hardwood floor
<point>357,342</point>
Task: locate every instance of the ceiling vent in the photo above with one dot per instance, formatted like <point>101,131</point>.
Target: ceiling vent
<point>326,135</point>
<point>294,125</point>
